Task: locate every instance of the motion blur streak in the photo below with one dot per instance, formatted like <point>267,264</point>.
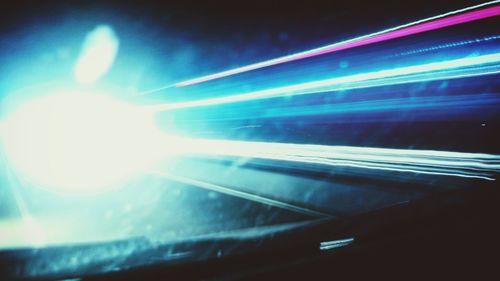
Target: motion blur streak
<point>328,245</point>
<point>424,25</point>
<point>392,104</point>
<point>448,45</point>
<point>431,162</point>
<point>431,71</point>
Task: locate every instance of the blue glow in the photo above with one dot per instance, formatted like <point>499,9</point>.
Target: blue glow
<point>439,103</point>
<point>403,74</point>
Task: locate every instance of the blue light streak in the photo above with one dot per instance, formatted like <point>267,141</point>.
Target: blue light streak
<point>434,71</point>
<point>461,102</point>
<point>321,50</point>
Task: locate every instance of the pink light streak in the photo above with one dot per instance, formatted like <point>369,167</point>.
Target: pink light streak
<point>420,28</point>
<point>405,30</point>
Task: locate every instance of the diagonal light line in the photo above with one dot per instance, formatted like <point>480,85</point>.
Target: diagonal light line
<point>328,245</point>
<point>241,194</point>
<point>420,26</point>
<point>319,85</point>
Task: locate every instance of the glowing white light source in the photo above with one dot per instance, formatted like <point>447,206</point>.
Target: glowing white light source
<point>98,54</point>
<point>78,142</point>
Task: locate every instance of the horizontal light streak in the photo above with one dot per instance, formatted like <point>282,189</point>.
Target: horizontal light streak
<point>436,103</point>
<point>430,162</point>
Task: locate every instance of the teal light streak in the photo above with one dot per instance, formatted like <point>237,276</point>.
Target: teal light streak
<point>402,74</point>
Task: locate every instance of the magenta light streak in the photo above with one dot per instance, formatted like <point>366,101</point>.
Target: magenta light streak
<point>393,34</point>
<point>423,27</point>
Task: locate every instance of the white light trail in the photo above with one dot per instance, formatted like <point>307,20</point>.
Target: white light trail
<point>430,162</point>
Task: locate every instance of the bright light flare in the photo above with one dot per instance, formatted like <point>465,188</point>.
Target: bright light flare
<point>97,56</point>
<point>76,142</point>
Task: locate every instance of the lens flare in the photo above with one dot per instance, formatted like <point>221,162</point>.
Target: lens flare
<point>97,56</point>
<point>78,142</point>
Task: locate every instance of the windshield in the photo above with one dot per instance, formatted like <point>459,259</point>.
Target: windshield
<point>129,126</point>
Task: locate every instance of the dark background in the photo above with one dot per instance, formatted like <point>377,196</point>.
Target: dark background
<point>215,35</point>
<point>286,25</point>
